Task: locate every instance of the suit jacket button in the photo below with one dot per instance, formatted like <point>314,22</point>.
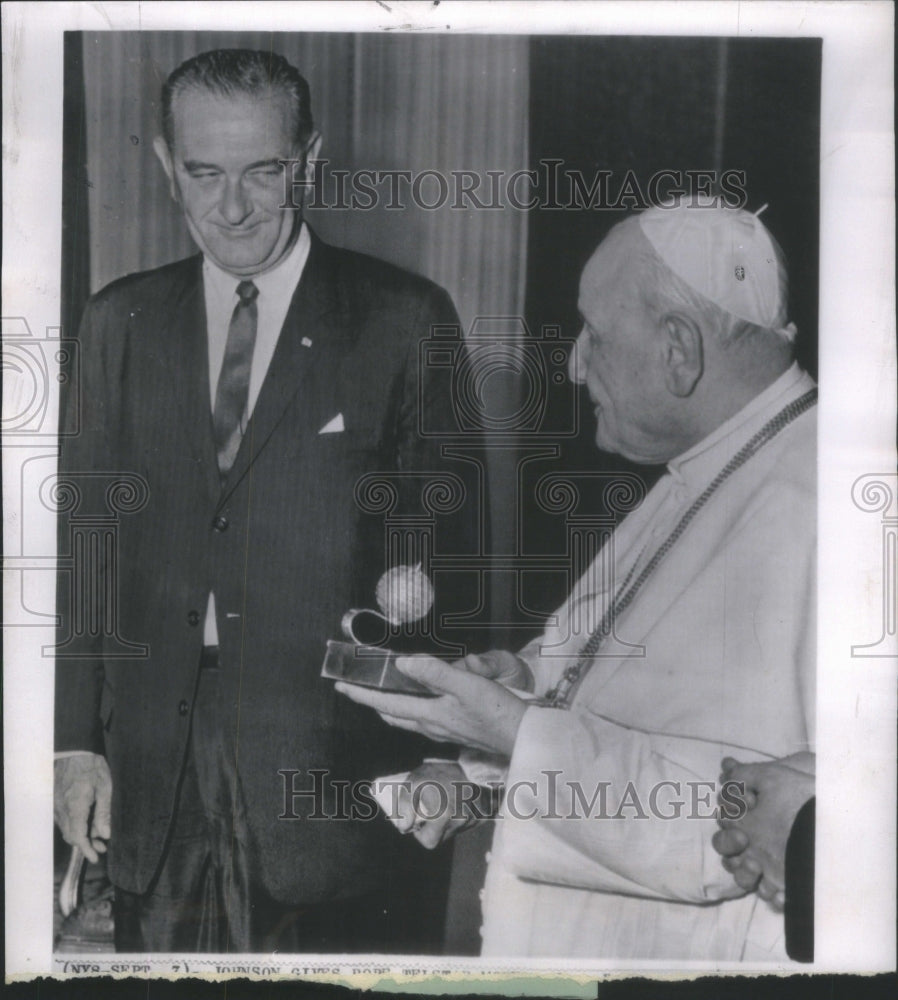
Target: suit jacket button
<point>220,524</point>
<point>193,617</point>
<point>183,708</point>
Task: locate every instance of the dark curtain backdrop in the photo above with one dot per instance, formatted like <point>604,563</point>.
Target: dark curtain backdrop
<point>649,104</point>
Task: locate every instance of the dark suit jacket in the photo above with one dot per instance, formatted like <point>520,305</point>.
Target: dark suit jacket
<point>800,853</point>
<point>286,546</point>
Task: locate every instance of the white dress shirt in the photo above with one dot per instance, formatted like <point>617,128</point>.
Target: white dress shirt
<point>276,288</point>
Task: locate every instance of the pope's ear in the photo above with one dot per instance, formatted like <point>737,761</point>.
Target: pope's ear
<point>683,353</point>
<point>160,148</point>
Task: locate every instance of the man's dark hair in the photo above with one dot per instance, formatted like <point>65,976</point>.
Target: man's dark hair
<point>229,72</point>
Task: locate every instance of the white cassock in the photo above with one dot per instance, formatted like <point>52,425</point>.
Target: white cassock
<point>720,661</point>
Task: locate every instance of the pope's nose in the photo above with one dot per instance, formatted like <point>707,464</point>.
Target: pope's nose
<point>576,362</point>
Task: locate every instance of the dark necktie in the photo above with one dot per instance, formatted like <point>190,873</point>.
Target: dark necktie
<point>233,383</point>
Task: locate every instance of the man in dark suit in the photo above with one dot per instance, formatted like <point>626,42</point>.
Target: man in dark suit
<point>246,392</point>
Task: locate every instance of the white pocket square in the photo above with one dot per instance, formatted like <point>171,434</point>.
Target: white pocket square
<point>334,426</point>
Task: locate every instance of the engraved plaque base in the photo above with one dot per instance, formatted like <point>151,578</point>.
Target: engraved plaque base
<point>368,666</point>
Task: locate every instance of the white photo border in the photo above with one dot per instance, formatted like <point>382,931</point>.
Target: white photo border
<point>856,778</point>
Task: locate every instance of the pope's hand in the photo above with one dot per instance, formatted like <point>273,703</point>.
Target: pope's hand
<point>501,666</point>
<point>82,782</point>
<point>469,709</point>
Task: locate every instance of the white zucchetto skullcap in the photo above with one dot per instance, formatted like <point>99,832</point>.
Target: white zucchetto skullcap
<point>724,254</point>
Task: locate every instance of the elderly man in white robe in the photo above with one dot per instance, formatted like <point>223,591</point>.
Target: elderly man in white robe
<point>609,729</point>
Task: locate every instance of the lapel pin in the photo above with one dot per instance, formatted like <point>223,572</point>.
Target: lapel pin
<point>306,342</point>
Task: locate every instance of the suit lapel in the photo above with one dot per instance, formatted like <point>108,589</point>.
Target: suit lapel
<point>188,362</point>
<point>313,317</point>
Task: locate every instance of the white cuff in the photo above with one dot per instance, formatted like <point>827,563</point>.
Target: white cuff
<point>482,768</point>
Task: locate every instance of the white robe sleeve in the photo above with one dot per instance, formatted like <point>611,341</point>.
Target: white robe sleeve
<point>595,805</point>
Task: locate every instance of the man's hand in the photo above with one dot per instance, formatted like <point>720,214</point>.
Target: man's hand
<point>470,710</point>
<point>753,848</point>
<point>500,666</point>
<point>80,782</point>
<point>435,803</point>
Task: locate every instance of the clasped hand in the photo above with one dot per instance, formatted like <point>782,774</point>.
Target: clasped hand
<point>753,845</point>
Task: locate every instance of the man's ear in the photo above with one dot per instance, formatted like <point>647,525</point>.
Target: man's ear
<point>310,154</point>
<point>683,353</point>
<point>160,148</point>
